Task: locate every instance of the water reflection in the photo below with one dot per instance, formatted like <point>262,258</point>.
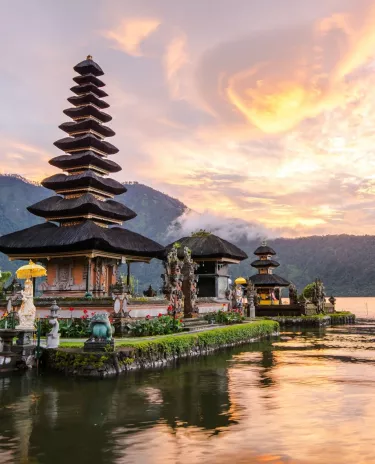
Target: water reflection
<point>305,398</point>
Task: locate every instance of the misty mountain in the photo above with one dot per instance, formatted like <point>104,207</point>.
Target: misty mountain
<point>345,263</point>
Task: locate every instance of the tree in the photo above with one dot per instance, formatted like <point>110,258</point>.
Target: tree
<point>4,277</point>
<point>307,292</point>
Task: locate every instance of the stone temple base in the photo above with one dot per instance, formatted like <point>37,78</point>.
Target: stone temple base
<point>94,345</point>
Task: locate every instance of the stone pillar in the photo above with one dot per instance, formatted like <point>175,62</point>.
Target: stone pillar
<point>128,275</point>
<point>88,277</point>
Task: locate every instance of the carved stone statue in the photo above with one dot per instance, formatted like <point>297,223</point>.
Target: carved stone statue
<point>318,296</point>
<point>237,296</point>
<point>53,337</point>
<point>172,285</point>
<point>27,311</point>
<point>100,327</point>
<point>293,295</point>
<point>251,294</point>
<point>229,296</point>
<point>189,285</point>
<point>100,334</point>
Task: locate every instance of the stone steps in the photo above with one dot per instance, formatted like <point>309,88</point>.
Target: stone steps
<point>194,322</point>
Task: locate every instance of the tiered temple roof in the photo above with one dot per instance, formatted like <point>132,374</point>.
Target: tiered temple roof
<point>265,265</point>
<point>83,207</point>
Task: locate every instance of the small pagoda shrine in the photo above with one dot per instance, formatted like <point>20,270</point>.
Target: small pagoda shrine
<point>213,256</point>
<point>81,243</point>
<point>267,284</point>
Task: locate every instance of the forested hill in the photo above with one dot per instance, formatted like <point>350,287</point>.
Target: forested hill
<point>346,263</point>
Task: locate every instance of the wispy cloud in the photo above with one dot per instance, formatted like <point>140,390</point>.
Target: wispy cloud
<point>175,59</point>
<point>129,35</point>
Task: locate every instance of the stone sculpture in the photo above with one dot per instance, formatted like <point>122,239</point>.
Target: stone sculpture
<point>53,337</point>
<point>172,285</point>
<point>100,327</point>
<point>229,296</point>
<point>27,311</point>
<point>251,294</point>
<point>293,295</point>
<point>189,285</point>
<point>100,334</point>
<point>318,296</point>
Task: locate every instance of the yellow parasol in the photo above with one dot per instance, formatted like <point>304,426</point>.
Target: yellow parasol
<point>30,271</point>
<point>240,281</point>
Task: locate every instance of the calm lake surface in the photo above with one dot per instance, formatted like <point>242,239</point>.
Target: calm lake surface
<point>306,397</point>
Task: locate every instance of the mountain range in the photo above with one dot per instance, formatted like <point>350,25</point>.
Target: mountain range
<point>345,263</point>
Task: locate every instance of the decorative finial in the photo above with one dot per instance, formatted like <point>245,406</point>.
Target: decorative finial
<point>89,57</point>
<point>264,242</point>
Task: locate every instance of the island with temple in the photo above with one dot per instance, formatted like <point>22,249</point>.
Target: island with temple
<point>80,252</point>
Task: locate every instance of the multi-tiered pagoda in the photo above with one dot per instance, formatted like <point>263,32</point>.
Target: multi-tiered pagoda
<point>267,284</point>
<point>82,243</point>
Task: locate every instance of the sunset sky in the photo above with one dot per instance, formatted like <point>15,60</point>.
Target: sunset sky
<point>261,110</point>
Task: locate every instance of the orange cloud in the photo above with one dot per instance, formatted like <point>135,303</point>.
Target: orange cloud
<point>130,33</point>
<point>310,74</point>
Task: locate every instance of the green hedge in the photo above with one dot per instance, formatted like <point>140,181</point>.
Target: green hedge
<point>210,338</point>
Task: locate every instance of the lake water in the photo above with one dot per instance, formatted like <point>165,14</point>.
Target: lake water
<point>306,397</point>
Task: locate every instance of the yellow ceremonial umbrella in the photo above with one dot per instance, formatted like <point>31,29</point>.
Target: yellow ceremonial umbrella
<point>31,270</point>
<point>240,281</point>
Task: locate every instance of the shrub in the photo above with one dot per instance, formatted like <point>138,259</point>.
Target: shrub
<point>74,328</point>
<point>225,317</point>
<point>161,325</point>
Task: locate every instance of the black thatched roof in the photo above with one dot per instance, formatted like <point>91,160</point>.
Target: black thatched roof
<point>86,99</point>
<point>50,238</point>
<point>85,204</point>
<point>87,125</point>
<point>268,280</point>
<point>264,250</point>
<point>88,79</point>
<point>85,88</point>
<point>86,112</point>
<point>264,263</point>
<point>83,181</point>
<point>84,158</point>
<point>88,142</point>
<point>209,246</point>
<point>88,66</point>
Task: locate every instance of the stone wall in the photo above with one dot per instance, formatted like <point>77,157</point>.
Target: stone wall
<point>153,353</point>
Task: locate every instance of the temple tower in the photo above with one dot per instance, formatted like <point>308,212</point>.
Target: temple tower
<point>82,242</point>
<point>267,284</point>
